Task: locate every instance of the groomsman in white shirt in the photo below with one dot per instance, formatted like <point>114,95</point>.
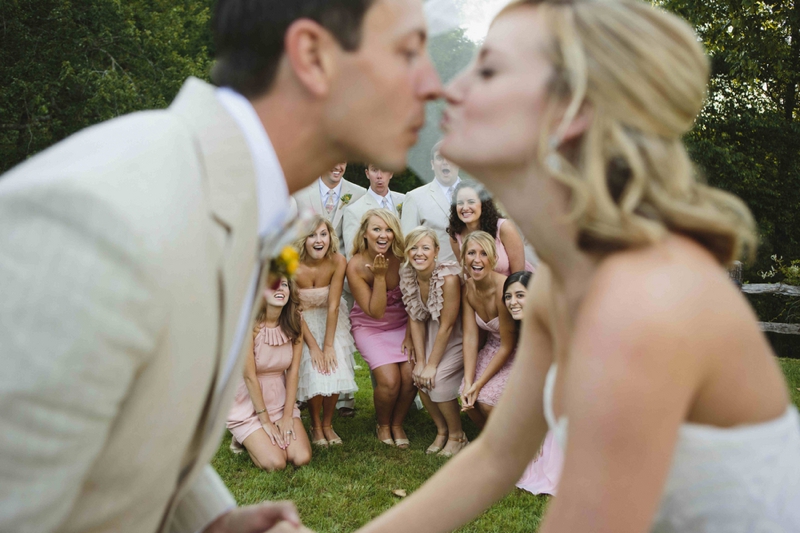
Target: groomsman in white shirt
<point>429,205</point>
<point>329,195</point>
<point>378,197</point>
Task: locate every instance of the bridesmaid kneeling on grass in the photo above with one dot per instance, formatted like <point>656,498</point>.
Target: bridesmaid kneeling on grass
<point>432,295</point>
<point>326,367</point>
<point>264,417</point>
<point>379,320</point>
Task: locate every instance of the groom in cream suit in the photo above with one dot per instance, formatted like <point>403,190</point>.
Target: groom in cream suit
<point>429,205</point>
<point>329,196</point>
<point>131,254</point>
<point>378,196</point>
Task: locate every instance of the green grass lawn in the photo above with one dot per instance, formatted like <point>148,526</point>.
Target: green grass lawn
<point>346,486</point>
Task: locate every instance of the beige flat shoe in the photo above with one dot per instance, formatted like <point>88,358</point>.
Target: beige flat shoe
<point>322,443</point>
<point>403,444</point>
<point>463,440</point>
<point>335,441</point>
<point>432,449</point>
<point>389,442</point>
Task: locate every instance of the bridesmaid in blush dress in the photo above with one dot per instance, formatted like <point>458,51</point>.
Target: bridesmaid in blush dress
<point>379,319</point>
<point>473,209</point>
<point>432,295</point>
<point>327,367</point>
<point>486,368</point>
<point>542,474</point>
<point>264,417</point>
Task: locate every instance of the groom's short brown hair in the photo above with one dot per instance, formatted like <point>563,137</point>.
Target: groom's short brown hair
<point>249,36</point>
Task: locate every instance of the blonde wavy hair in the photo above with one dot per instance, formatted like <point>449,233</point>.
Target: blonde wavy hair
<point>360,240</point>
<point>485,241</point>
<point>416,235</point>
<point>642,74</point>
<point>316,222</point>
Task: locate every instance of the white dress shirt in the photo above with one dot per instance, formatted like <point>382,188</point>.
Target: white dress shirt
<point>380,199</point>
<point>272,193</point>
<point>446,190</point>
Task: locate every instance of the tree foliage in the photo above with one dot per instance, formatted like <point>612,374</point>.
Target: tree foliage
<point>67,65</point>
<point>747,139</point>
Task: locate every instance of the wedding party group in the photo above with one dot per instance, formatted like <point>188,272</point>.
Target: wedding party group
<point>139,318</point>
<point>421,320</point>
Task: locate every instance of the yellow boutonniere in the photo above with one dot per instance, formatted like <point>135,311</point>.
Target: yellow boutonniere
<point>284,264</point>
<point>400,209</point>
<point>346,198</point>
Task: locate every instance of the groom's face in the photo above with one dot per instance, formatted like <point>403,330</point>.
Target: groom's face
<point>377,100</point>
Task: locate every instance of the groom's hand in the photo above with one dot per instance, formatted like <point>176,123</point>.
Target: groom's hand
<point>258,519</point>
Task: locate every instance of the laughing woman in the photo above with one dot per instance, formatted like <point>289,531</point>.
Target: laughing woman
<point>487,367</point>
<point>264,417</point>
<point>432,296</point>
<point>326,369</point>
<point>379,320</point>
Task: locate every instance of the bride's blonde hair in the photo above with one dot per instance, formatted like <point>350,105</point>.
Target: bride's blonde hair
<point>641,74</point>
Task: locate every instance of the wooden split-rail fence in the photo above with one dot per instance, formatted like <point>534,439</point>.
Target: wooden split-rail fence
<point>768,288</point>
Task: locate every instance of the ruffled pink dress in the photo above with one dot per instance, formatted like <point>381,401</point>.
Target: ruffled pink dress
<point>380,341</point>
<point>450,371</point>
<point>503,265</point>
<point>542,474</point>
<point>273,352</point>
<point>490,393</point>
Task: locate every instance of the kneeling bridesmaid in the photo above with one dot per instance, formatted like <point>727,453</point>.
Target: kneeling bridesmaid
<point>264,417</point>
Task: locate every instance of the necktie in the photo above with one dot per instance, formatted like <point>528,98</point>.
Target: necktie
<point>450,193</point>
<point>385,203</point>
<point>330,204</point>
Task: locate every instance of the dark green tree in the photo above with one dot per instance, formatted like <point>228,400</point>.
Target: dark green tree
<point>66,65</point>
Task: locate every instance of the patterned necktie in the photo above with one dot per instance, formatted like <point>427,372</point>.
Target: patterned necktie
<point>330,204</point>
<point>450,193</point>
<point>385,203</point>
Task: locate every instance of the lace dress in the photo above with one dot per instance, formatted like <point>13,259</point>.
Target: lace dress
<point>490,393</point>
<point>380,341</point>
<point>743,479</point>
<point>273,352</point>
<point>450,371</point>
<point>314,302</point>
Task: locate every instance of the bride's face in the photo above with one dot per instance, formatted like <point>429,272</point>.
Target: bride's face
<point>495,107</point>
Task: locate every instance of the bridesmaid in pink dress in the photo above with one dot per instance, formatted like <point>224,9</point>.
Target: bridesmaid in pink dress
<point>264,417</point>
<point>379,319</point>
<point>432,296</point>
<point>486,369</point>
<point>473,209</point>
<point>542,474</point>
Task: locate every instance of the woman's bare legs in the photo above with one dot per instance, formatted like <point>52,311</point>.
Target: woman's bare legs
<point>404,400</point>
<point>265,455</point>
<point>328,408</point>
<point>476,415</point>
<point>438,419</point>
<point>299,450</point>
<point>456,439</point>
<point>388,381</point>
<point>315,406</point>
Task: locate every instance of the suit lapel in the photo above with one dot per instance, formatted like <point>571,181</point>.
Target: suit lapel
<point>337,217</point>
<point>316,200</point>
<point>436,193</point>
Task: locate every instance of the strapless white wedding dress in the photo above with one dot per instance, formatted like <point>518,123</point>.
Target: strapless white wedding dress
<point>743,479</point>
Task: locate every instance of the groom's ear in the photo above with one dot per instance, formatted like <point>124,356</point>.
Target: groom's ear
<point>310,52</point>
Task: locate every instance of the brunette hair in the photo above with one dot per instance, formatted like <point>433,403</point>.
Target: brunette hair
<point>524,277</point>
<point>289,321</point>
<point>489,212</point>
<point>316,222</point>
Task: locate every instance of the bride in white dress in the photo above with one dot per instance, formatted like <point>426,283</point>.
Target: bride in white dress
<point>664,393</point>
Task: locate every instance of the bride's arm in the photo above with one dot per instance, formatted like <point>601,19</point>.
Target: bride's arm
<point>494,462</point>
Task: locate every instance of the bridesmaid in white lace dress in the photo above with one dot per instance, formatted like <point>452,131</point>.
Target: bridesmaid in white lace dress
<point>327,367</point>
<point>432,296</point>
<point>667,398</point>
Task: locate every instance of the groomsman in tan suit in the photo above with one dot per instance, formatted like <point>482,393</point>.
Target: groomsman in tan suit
<point>378,196</point>
<point>429,205</point>
<point>329,196</point>
<point>131,253</point>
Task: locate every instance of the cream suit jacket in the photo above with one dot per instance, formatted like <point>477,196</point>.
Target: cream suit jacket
<point>351,218</point>
<point>125,255</point>
<point>427,206</point>
<point>309,198</point>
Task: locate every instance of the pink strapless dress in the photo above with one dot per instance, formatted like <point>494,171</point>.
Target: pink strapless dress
<point>273,352</point>
<point>380,341</point>
<point>490,393</point>
<point>542,474</point>
<point>503,266</point>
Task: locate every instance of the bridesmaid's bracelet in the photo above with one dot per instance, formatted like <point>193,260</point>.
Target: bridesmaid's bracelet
<point>264,410</point>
